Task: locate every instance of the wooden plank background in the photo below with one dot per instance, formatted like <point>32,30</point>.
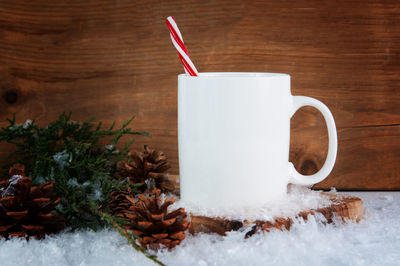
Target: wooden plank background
<point>114,58</point>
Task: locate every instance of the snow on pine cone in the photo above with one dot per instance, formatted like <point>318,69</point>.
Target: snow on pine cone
<point>25,210</point>
<point>148,167</point>
<point>148,218</point>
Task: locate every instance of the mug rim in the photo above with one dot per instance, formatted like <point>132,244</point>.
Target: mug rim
<point>203,75</point>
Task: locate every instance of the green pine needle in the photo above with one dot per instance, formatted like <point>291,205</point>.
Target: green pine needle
<point>74,155</point>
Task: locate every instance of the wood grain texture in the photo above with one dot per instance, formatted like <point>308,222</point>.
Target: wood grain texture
<point>343,207</point>
<point>114,58</point>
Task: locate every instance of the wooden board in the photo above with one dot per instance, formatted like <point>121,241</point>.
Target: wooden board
<point>342,206</point>
<point>113,59</point>
<point>345,208</point>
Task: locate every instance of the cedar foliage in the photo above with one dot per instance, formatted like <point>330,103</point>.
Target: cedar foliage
<point>71,154</point>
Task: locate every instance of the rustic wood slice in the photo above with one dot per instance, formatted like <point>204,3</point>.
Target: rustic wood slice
<point>344,207</point>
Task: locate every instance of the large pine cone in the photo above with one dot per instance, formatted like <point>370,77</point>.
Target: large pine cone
<point>148,217</point>
<point>26,211</point>
<point>148,167</point>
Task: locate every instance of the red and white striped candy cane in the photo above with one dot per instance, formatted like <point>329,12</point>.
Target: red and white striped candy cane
<point>177,41</point>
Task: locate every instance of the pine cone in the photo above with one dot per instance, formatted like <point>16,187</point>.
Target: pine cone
<point>122,203</point>
<point>26,211</point>
<point>148,217</point>
<point>148,167</point>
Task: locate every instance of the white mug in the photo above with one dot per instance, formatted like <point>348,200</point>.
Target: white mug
<point>234,136</point>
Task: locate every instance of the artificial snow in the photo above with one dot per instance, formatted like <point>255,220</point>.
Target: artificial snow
<point>10,189</point>
<point>27,123</point>
<point>62,158</point>
<point>375,240</point>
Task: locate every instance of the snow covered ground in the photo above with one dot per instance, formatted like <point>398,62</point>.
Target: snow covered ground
<point>373,241</point>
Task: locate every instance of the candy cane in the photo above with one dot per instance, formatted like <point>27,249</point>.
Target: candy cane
<point>177,41</point>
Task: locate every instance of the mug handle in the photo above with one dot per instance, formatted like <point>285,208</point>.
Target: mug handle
<point>296,177</point>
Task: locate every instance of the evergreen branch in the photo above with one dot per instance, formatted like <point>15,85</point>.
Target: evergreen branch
<point>72,154</point>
